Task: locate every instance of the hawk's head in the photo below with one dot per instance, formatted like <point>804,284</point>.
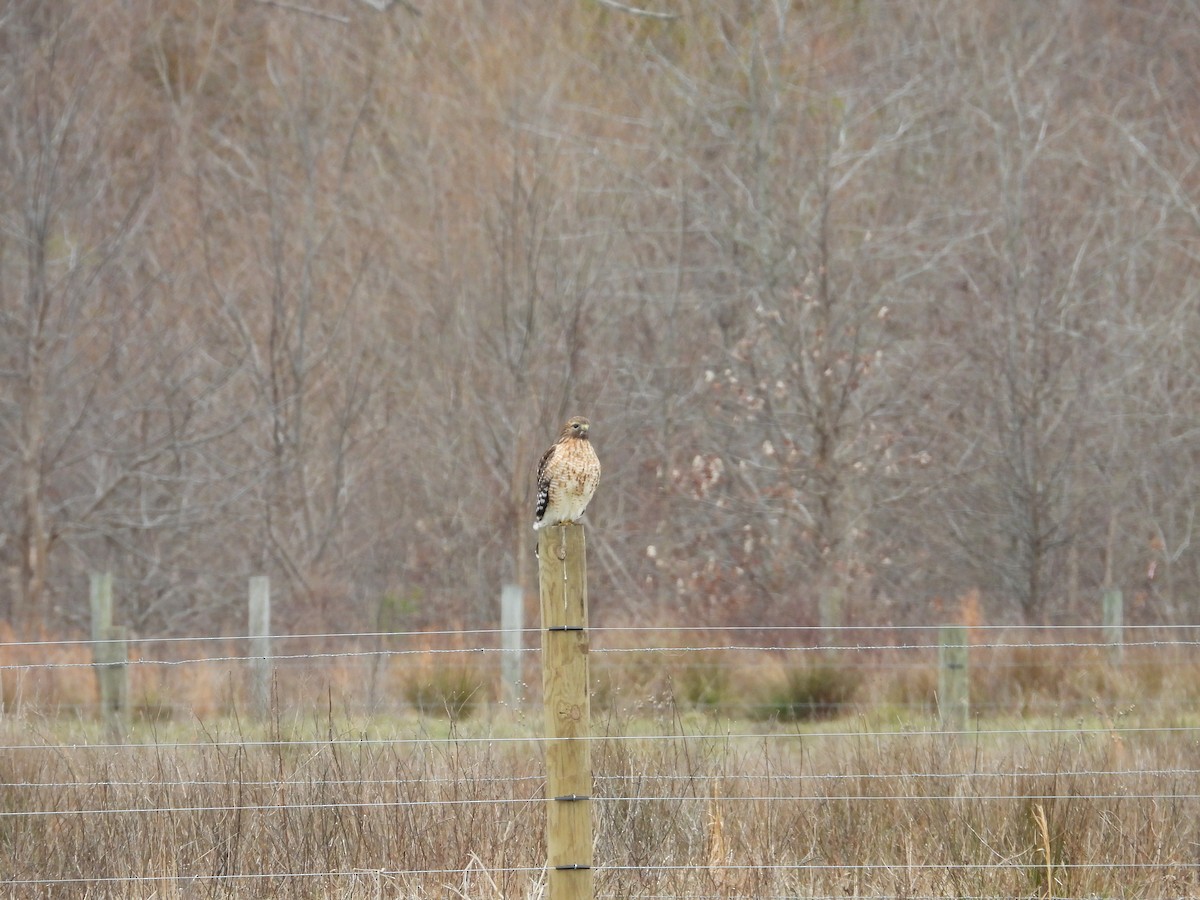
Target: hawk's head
<point>576,427</point>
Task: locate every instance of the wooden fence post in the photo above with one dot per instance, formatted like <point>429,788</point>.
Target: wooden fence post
<point>110,655</point>
<point>114,679</point>
<point>562,575</point>
<point>101,598</point>
<point>512,614</point>
<point>953,678</point>
<point>260,643</point>
<point>829,614</point>
<point>1114,624</point>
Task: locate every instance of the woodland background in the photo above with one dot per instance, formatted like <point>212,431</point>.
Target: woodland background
<point>896,303</point>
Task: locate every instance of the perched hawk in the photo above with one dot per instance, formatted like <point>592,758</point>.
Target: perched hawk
<point>567,476</point>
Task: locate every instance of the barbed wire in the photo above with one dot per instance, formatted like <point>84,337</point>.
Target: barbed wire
<point>597,630</point>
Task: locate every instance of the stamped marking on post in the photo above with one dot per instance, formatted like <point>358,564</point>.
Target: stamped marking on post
<point>572,712</point>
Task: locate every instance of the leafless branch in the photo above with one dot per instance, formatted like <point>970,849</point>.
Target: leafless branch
<point>385,5</point>
<point>633,10</point>
<point>308,11</point>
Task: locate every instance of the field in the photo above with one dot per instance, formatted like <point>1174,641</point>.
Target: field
<point>718,773</point>
<point>884,315</point>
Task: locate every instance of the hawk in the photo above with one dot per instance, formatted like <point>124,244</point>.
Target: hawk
<point>566,477</point>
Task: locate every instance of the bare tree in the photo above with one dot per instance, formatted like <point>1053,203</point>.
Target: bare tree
<point>803,282</point>
<point>871,304</point>
<point>67,224</point>
<point>311,345</point>
<point>108,414</point>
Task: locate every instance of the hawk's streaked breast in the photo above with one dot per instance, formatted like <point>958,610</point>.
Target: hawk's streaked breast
<point>567,476</point>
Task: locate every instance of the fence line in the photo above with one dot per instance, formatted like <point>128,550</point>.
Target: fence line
<point>1017,866</point>
<point>675,783</point>
<point>517,801</point>
<point>460,740</point>
<point>606,779</point>
<point>748,867</point>
<point>615,629</point>
<point>822,651</point>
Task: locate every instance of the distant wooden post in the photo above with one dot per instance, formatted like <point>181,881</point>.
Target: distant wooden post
<point>512,614</point>
<point>562,570</point>
<point>829,614</point>
<point>114,679</point>
<point>953,681</point>
<point>101,599</point>
<point>110,654</point>
<point>1114,624</point>
<point>260,643</point>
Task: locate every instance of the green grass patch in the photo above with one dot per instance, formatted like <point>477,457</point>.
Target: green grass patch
<point>808,693</point>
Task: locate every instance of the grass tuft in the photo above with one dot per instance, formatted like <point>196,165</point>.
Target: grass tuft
<point>456,692</point>
<point>810,692</point>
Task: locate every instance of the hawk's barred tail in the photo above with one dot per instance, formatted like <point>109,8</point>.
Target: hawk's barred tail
<point>543,499</point>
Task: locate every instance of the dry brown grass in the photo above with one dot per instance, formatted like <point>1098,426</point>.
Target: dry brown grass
<point>214,816</point>
<point>190,680</point>
<point>321,800</point>
<point>876,815</point>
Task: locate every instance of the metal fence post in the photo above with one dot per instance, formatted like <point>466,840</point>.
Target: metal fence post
<point>512,614</point>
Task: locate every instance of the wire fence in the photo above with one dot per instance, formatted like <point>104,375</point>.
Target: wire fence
<point>788,762</point>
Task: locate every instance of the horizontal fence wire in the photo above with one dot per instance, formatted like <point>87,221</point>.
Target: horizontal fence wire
<point>451,803</point>
<point>366,655</point>
<point>642,778</point>
<point>1115,865</point>
<point>455,740</point>
<point>822,651</point>
<point>690,776</point>
<point>600,630</point>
